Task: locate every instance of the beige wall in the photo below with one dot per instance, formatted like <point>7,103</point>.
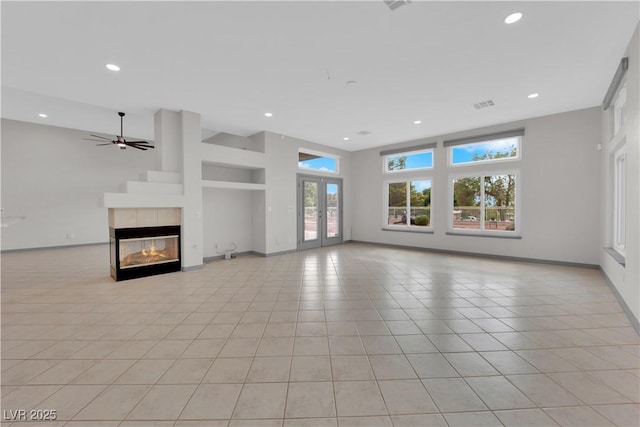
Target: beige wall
<point>559,173</point>
<point>56,179</point>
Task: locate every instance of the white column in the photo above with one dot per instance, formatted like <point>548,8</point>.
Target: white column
<point>168,141</point>
<point>192,229</point>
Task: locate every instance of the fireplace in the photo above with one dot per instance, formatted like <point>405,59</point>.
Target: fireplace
<point>144,251</point>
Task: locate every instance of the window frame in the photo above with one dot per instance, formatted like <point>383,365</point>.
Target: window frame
<point>618,112</point>
<point>618,240</point>
<point>385,163</point>
<point>517,157</point>
<point>516,233</point>
<point>385,206</point>
<point>312,171</point>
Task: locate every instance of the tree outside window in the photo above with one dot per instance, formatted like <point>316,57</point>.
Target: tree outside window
<point>409,203</point>
<point>490,206</point>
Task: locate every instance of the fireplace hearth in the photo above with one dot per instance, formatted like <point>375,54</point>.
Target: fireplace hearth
<point>144,251</point>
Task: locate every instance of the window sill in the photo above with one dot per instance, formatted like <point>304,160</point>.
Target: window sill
<point>616,256</point>
<point>493,235</point>
<point>408,230</point>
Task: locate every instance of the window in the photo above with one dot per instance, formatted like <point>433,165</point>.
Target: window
<point>408,204</point>
<point>485,151</point>
<point>619,106</point>
<point>310,160</point>
<point>619,199</point>
<point>408,161</point>
<point>484,203</point>
<point>495,147</point>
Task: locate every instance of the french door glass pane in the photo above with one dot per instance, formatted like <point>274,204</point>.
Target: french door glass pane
<point>333,218</point>
<point>310,211</point>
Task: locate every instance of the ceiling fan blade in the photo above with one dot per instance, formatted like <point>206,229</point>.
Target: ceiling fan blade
<point>101,137</point>
<point>93,139</point>
<point>120,141</point>
<point>138,145</point>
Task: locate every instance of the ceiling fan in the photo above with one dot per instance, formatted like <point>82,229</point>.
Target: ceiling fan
<point>120,141</point>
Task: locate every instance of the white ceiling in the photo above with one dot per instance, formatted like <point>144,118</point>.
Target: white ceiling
<point>233,61</point>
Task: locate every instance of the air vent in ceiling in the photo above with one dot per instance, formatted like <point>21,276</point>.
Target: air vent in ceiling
<point>484,104</point>
<point>394,4</point>
<point>364,133</point>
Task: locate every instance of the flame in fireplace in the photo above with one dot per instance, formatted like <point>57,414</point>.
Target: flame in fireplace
<point>151,252</point>
<point>146,256</point>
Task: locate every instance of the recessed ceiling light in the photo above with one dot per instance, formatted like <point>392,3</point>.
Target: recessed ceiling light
<point>43,115</point>
<point>417,122</point>
<point>533,95</point>
<point>514,17</point>
<point>113,67</point>
<point>346,138</point>
<point>268,114</point>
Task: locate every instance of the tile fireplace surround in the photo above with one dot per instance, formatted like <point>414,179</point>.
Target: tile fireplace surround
<point>351,335</point>
<point>143,217</point>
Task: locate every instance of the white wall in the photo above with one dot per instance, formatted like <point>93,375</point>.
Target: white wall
<point>56,179</point>
<point>235,141</point>
<point>280,196</point>
<point>221,173</point>
<point>625,279</point>
<point>559,201</point>
<point>227,217</point>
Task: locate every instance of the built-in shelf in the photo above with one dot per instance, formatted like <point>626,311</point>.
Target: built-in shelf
<point>230,185</point>
<point>231,157</point>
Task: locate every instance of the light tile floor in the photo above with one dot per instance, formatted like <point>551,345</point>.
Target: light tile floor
<point>352,335</point>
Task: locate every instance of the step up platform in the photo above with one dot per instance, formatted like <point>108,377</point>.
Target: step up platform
<point>137,187</point>
<point>161,177</point>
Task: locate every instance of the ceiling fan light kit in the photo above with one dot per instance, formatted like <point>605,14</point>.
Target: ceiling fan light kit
<point>120,140</point>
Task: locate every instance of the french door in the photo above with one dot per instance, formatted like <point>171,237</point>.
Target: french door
<point>319,211</point>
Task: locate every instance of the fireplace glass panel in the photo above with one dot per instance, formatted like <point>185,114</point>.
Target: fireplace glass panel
<point>148,251</point>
